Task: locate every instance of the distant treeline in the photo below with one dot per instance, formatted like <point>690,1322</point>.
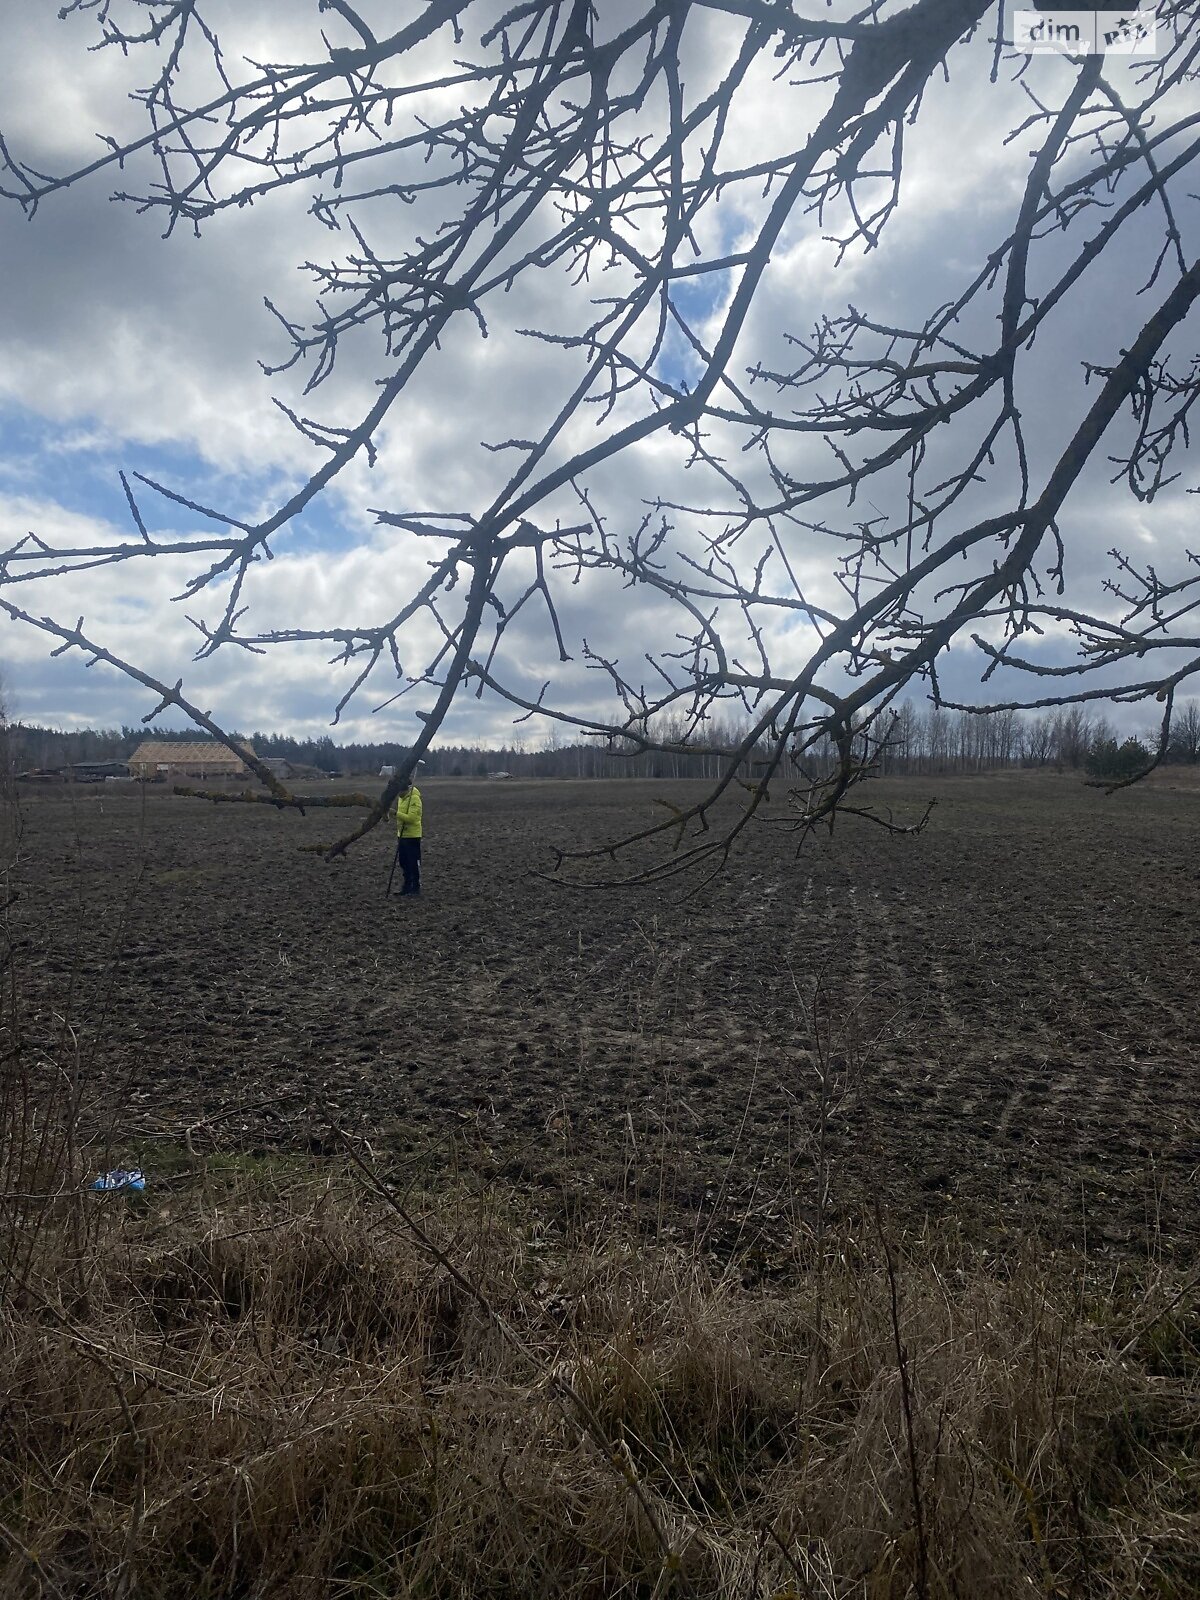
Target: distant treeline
<point>935,741</point>
<point>920,741</point>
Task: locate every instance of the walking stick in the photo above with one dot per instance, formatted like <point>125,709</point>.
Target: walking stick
<point>388,891</point>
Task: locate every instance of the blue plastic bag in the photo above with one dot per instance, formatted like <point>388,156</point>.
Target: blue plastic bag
<point>133,1179</point>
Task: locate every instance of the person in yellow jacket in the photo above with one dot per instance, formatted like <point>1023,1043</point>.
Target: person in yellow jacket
<point>408,837</point>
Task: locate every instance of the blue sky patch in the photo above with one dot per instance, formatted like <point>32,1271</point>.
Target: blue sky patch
<point>78,467</point>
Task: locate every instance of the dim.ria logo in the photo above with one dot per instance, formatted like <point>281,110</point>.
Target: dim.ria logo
<point>1128,31</point>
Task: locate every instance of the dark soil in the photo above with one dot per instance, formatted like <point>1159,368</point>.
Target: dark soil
<point>1005,1006</point>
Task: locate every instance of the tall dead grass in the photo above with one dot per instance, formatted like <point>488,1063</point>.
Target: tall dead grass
<point>262,1385</point>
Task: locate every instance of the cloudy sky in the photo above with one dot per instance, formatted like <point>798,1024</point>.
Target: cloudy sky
<point>120,349</point>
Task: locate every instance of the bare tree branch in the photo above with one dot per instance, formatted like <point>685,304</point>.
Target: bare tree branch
<point>865,490</point>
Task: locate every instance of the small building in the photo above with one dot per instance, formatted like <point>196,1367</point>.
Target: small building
<point>159,760</point>
<point>280,768</point>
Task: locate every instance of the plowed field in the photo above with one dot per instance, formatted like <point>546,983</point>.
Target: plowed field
<point>1004,1028</point>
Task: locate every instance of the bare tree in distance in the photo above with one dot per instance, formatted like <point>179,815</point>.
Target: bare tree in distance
<point>556,142</point>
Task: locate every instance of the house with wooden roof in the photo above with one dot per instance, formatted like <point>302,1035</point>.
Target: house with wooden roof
<point>163,759</point>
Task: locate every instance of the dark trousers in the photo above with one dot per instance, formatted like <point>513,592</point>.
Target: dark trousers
<point>408,854</point>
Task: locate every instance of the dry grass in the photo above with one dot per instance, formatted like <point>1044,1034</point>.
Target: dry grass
<point>258,1382</point>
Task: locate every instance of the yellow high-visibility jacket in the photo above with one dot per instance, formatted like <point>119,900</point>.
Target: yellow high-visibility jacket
<point>408,815</point>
